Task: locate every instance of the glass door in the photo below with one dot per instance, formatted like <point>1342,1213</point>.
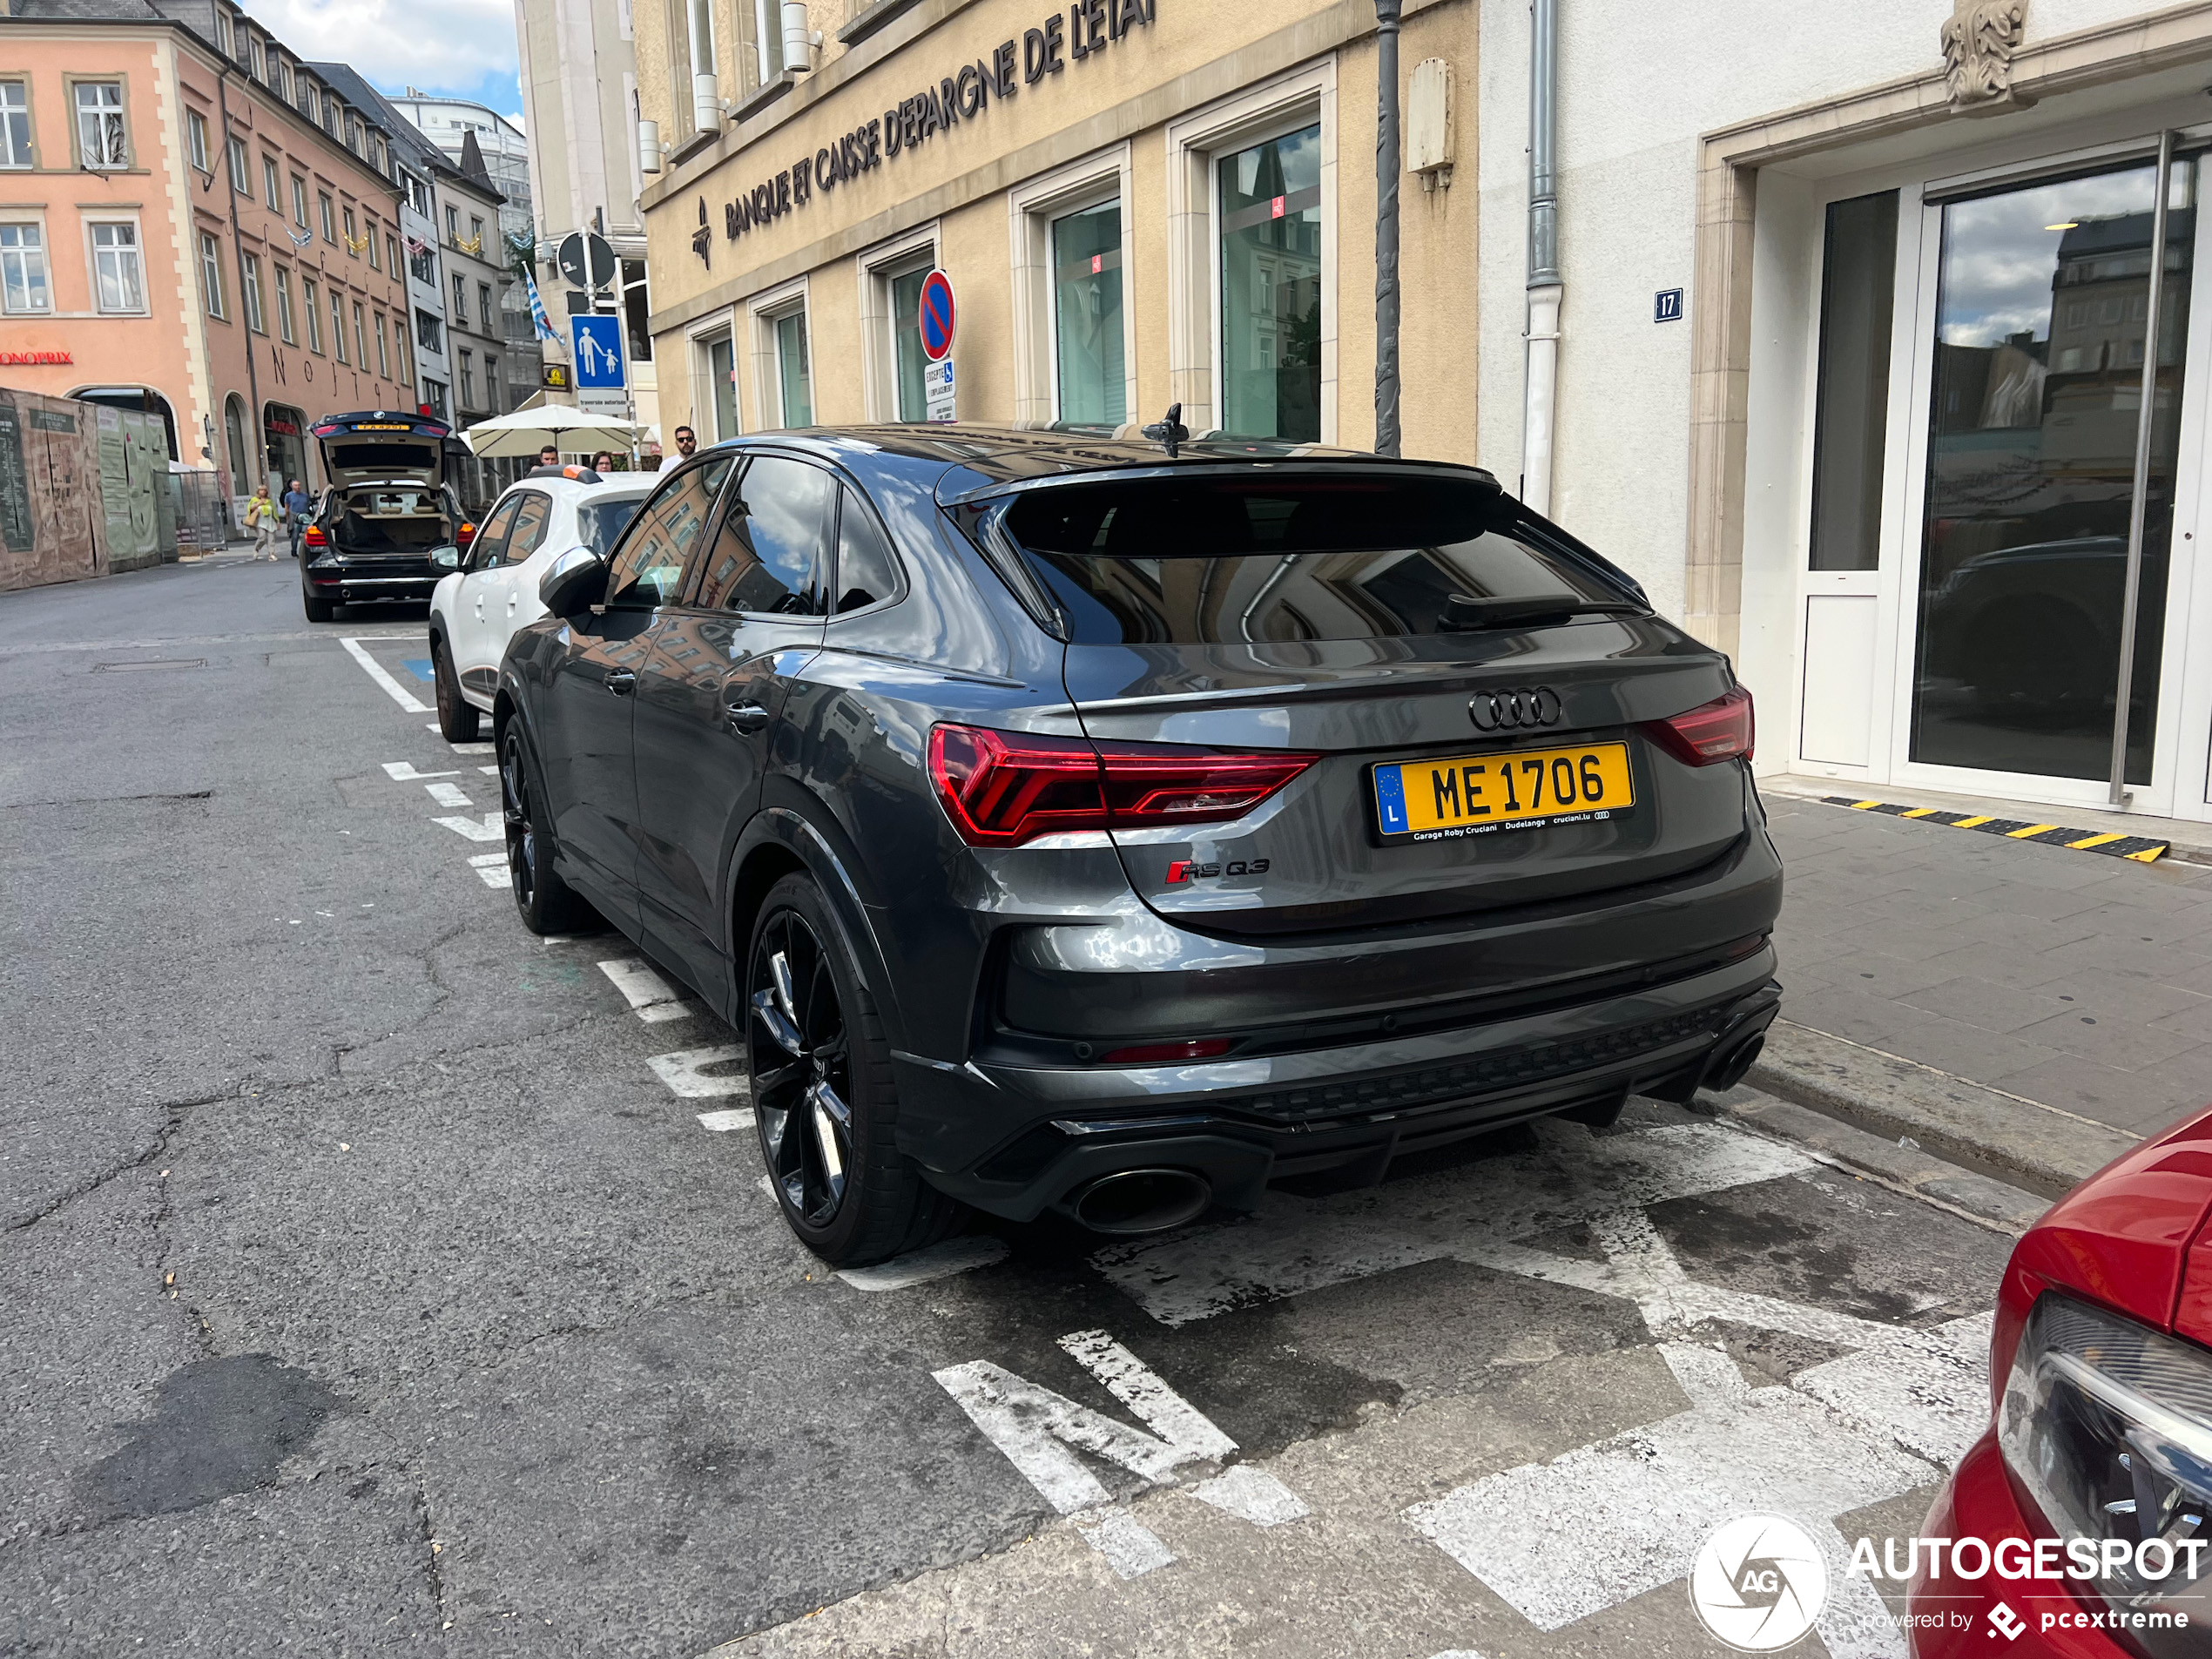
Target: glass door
<point>2041,328</point>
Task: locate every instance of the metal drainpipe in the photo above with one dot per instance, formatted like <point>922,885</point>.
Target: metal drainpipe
<point>256,440</point>
<point>1545,285</point>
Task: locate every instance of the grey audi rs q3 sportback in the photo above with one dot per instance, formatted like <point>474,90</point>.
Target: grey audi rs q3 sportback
<point>1114,826</point>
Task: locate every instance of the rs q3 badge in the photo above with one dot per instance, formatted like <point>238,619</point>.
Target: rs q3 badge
<point>1184,870</point>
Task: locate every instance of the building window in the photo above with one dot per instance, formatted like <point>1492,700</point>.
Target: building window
<point>196,138</point>
<point>794,376</point>
<point>391,254</point>
<point>460,300</point>
<point>360,336</point>
<point>491,384</point>
<point>286,328</point>
<point>908,362</point>
<point>260,61</point>
<point>338,327</point>
<point>272,189</point>
<point>476,231</point>
<point>1852,406</point>
<point>418,194</point>
<point>722,377</point>
<point>23,286</point>
<point>484,307</point>
<point>1270,205</point>
<point>101,143</point>
<point>315,317</point>
<point>211,274</point>
<point>424,263</point>
<point>453,225</point>
<point>698,17</point>
<point>118,278</point>
<point>253,288</point>
<point>636,311</point>
<point>1090,378</point>
<point>352,236</point>
<point>369,236</point>
<point>400,350</point>
<point>383,357</point>
<point>235,150</point>
<point>468,381</point>
<point>284,81</point>
<point>434,394</point>
<point>15,124</point>
<point>299,201</point>
<point>329,218</point>
<point>429,333</point>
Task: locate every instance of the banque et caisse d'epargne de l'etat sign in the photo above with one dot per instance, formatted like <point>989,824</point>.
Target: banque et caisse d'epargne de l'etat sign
<point>1087,28</point>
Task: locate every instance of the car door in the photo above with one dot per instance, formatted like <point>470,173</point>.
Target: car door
<point>501,592</point>
<point>465,626</point>
<point>710,692</point>
<point>585,726</point>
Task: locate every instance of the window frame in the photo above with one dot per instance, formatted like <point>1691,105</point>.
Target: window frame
<point>8,114</point>
<point>310,302</point>
<point>272,185</point>
<point>329,210</point>
<point>238,163</point>
<point>249,288</point>
<point>850,490</point>
<point>196,152</point>
<point>687,577</point>
<point>300,200</point>
<point>1032,208</point>
<point>360,338</point>
<point>383,357</point>
<point>136,246</point>
<point>877,269</point>
<point>78,84</point>
<point>288,320</point>
<point>35,223</point>
<point>338,327</point>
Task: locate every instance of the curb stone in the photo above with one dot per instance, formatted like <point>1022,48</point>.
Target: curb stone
<point>2018,1142</point>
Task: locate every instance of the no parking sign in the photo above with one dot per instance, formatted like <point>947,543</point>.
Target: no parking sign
<point>938,314</point>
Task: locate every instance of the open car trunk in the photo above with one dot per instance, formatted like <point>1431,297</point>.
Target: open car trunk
<point>404,519</point>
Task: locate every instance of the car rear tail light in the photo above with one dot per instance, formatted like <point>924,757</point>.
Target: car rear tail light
<point>312,536</point>
<point>1720,729</point>
<point>1003,788</point>
<point>1153,1054</point>
<point>466,534</point>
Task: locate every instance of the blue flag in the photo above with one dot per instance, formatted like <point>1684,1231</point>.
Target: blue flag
<point>537,312</point>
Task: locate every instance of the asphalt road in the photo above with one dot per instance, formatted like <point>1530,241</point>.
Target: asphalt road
<point>377,1276</point>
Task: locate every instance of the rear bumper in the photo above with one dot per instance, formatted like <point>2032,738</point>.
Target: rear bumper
<point>361,584</point>
<point>1014,1140</point>
<point>1952,1615</point>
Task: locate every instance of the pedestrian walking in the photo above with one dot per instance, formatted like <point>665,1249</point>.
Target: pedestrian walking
<point>297,507</point>
<point>261,519</point>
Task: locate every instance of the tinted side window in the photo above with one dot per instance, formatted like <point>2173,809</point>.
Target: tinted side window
<point>866,572</point>
<point>529,527</point>
<point>769,554</point>
<point>648,567</point>
<point>485,550</point>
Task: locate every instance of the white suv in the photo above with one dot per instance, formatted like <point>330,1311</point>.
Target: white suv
<point>476,610</point>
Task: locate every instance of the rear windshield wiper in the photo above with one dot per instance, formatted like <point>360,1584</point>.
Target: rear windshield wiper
<point>1463,613</point>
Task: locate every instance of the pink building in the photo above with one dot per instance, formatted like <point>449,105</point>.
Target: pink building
<point>192,224</point>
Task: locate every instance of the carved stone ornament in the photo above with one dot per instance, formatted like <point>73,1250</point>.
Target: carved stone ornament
<point>1979,41</point>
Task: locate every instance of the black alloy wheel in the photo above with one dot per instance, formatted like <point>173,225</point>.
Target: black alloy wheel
<point>802,1069</point>
<point>546,903</point>
<point>824,1101</point>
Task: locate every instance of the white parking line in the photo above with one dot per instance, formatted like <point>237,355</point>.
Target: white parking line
<point>723,1122</point>
<point>493,828</point>
<point>471,749</point>
<point>399,693</point>
<point>450,795</point>
<point>403,771</point>
<point>921,1266</point>
<point>491,868</point>
<point>682,1071</point>
<point>650,997</point>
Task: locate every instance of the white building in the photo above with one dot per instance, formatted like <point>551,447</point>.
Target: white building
<point>1889,454</point>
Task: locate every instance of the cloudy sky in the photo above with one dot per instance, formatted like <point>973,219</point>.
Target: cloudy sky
<point>464,47</point>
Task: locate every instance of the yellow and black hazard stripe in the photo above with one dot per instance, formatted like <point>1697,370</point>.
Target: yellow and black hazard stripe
<point>2140,848</point>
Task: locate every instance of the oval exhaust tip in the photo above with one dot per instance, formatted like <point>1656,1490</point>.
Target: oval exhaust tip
<point>1142,1201</point>
<point>1731,1069</point>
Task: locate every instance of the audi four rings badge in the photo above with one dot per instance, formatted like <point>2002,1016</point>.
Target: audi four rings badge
<point>1521,711</point>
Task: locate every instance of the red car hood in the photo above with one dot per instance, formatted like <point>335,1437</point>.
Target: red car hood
<point>2132,1237</point>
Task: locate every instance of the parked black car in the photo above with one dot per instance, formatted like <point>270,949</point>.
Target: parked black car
<point>1069,825</point>
<point>387,526</point>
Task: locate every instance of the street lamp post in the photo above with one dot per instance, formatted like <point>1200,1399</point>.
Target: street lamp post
<point>1386,17</point>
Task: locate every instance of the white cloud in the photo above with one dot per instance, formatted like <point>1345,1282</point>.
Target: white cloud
<point>435,44</point>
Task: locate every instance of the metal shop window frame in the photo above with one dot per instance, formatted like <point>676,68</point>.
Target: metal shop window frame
<point>1032,206</point>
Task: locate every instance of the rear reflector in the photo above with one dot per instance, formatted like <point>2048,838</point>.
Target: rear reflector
<point>1720,729</point>
<point>1154,1054</point>
<point>1003,788</point>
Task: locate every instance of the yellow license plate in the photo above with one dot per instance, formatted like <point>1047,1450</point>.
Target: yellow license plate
<point>1462,795</point>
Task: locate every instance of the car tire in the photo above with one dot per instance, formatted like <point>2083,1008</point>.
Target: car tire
<point>824,1102</point>
<point>545,902</point>
<point>458,717</point>
<point>318,608</point>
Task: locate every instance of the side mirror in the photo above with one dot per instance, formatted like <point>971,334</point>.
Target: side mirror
<point>573,582</point>
<point>446,558</point>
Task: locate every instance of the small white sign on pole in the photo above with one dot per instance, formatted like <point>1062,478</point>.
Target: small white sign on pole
<point>937,391</point>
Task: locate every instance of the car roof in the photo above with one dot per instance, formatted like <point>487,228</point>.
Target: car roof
<point>624,485</point>
<point>974,459</point>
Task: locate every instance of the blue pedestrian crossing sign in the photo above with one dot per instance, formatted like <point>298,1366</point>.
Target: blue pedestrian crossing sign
<point>599,365</point>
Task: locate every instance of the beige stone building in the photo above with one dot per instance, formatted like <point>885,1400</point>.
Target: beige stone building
<point>1139,202</point>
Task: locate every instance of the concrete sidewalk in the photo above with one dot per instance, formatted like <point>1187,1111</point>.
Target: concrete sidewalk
<point>2027,1010</point>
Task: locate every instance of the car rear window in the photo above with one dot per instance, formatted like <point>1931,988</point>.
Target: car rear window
<point>372,456</point>
<point>1214,561</point>
<point>599,521</point>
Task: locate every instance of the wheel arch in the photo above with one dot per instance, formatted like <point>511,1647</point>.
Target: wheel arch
<point>782,841</point>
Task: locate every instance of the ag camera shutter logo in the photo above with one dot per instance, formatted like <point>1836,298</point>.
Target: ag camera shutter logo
<point>1759,1583</point>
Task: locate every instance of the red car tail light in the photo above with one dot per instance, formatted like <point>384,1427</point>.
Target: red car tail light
<point>312,536</point>
<point>1720,729</point>
<point>1003,788</point>
<point>462,537</point>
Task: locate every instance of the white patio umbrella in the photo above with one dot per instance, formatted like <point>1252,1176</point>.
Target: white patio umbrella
<point>524,432</point>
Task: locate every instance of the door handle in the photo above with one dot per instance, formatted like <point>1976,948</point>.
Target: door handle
<point>621,681</point>
<point>747,717</point>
